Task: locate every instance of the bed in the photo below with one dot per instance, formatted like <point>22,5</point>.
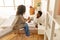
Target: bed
<point>6,26</point>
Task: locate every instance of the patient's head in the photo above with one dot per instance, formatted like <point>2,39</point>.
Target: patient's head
<point>39,14</point>
<point>21,10</point>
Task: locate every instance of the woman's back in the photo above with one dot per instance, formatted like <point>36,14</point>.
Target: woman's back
<point>20,22</point>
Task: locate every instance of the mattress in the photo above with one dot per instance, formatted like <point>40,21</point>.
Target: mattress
<point>6,26</point>
<point>4,31</point>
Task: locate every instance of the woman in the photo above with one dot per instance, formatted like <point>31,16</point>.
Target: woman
<point>21,22</point>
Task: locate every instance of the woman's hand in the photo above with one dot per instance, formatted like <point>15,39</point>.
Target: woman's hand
<point>29,20</point>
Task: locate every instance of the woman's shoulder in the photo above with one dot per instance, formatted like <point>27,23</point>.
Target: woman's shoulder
<point>19,16</point>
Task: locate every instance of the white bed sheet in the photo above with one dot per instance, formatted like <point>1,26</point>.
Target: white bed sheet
<point>6,26</point>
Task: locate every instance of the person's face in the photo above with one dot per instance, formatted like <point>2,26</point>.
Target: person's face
<point>38,15</point>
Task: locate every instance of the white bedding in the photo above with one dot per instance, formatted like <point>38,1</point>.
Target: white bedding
<point>6,26</point>
<point>2,20</point>
<point>5,31</point>
<point>8,22</point>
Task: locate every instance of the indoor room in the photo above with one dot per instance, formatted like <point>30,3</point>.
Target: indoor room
<point>29,19</point>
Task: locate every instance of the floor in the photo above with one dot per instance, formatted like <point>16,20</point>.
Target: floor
<point>12,36</point>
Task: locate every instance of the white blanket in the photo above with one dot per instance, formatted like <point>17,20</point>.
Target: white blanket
<point>6,26</point>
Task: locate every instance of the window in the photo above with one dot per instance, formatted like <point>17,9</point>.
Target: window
<point>6,12</point>
<point>8,2</point>
<point>19,2</point>
<point>9,7</point>
<point>28,3</point>
<point>1,3</point>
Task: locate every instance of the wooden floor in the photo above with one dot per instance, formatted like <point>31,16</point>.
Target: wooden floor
<point>12,36</point>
